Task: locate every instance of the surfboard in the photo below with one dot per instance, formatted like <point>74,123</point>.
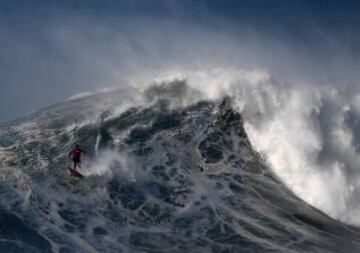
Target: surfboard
<point>74,172</point>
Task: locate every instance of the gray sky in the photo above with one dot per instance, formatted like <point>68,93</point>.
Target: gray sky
<point>51,52</point>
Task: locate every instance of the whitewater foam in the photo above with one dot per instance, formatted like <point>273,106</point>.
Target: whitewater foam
<point>301,132</point>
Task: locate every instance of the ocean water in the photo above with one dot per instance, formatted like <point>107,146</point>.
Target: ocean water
<point>164,171</point>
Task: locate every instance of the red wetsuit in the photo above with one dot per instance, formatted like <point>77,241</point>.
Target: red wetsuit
<point>75,153</point>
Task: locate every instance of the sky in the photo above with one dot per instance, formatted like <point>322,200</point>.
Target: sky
<point>52,50</point>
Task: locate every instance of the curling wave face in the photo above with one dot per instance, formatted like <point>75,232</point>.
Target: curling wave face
<point>163,176</point>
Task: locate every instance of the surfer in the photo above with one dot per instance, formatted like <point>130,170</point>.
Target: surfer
<point>75,154</point>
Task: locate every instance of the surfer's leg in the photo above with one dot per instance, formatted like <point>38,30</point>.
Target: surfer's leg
<point>77,163</point>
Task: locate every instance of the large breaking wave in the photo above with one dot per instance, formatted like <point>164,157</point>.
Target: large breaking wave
<point>171,170</point>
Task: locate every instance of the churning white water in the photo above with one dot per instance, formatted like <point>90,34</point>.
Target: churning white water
<point>308,133</point>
